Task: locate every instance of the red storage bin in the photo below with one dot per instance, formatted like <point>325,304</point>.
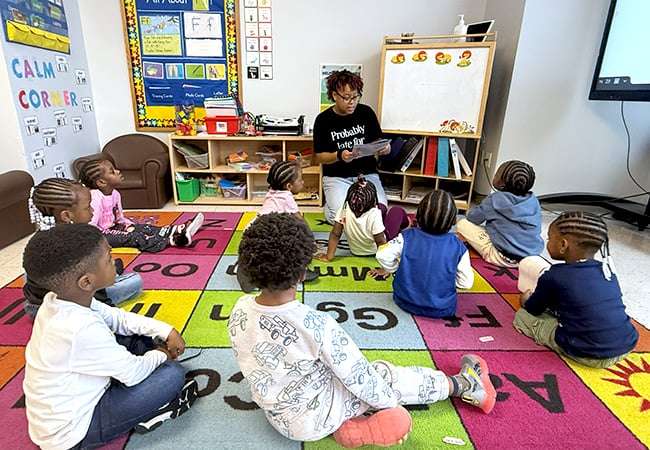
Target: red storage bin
<point>222,124</point>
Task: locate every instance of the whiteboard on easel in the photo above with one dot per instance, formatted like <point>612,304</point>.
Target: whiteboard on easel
<point>438,89</point>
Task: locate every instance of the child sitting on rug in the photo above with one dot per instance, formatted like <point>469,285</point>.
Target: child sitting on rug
<point>285,180</point>
<point>430,292</point>
<point>59,200</point>
<point>366,222</point>
<point>306,373</point>
<point>512,216</point>
<point>93,372</point>
<point>102,178</point>
<point>576,307</point>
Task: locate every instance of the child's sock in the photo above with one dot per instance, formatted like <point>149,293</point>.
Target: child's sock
<point>472,385</point>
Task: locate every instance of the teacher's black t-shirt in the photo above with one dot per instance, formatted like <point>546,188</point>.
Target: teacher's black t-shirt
<point>333,132</point>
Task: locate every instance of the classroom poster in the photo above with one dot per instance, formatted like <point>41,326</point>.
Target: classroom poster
<point>325,71</point>
<point>180,51</point>
<point>37,23</point>
<point>53,101</point>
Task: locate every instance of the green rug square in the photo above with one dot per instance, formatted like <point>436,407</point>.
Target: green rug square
<point>347,274</point>
<point>316,222</point>
<point>208,326</point>
<point>429,426</point>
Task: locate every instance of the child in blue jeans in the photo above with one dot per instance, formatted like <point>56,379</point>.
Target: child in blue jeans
<point>92,372</point>
<point>429,262</point>
<point>576,308</point>
<point>57,201</point>
<point>512,217</point>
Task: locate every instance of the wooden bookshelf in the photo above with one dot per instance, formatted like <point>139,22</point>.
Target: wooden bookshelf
<point>219,147</point>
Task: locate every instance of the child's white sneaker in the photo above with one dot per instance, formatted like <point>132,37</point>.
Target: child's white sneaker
<point>481,392</point>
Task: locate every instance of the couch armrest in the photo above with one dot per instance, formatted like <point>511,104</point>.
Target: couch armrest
<point>154,168</point>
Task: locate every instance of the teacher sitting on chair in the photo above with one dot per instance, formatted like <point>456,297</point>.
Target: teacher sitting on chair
<point>337,130</point>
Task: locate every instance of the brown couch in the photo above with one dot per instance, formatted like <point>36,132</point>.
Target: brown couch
<point>144,162</point>
<point>14,193</point>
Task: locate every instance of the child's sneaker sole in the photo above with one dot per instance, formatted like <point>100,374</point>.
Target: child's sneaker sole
<point>490,393</point>
<point>177,407</point>
<point>384,428</point>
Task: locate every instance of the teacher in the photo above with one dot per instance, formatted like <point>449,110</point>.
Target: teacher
<point>337,130</point>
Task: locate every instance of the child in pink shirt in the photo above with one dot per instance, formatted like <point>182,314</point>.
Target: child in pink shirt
<point>101,177</point>
<point>285,180</point>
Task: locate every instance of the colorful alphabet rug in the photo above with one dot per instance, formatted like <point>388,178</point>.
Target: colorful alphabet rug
<point>544,400</point>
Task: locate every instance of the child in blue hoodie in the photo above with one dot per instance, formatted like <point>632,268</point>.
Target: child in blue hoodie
<point>429,262</point>
<point>512,217</point>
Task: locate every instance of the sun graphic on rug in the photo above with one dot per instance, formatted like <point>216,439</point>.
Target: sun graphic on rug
<point>635,378</point>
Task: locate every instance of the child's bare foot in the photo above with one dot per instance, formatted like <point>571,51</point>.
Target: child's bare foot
<point>379,274</point>
<point>384,428</point>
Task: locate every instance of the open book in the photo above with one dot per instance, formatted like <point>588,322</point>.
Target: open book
<point>369,149</point>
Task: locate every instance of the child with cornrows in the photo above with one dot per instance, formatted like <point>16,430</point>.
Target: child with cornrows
<point>102,178</point>
<point>576,307</point>
<point>512,217</point>
<point>367,223</point>
<point>58,201</point>
<point>429,262</point>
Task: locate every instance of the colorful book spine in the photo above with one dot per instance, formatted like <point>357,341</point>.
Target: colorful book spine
<point>443,157</point>
<point>431,156</point>
<point>454,150</point>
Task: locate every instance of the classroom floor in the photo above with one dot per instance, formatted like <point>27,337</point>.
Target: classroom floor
<point>544,401</point>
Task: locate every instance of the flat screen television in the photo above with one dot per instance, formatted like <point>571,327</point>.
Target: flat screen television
<point>623,66</point>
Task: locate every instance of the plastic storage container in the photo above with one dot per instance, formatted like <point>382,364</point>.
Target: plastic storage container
<point>194,156</point>
<point>188,190</point>
<point>234,192</point>
<point>222,124</point>
<point>209,187</point>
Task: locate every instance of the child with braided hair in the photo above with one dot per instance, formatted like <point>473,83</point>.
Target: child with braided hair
<point>367,223</point>
<point>102,178</point>
<point>576,307</point>
<point>57,201</point>
<point>512,217</point>
<point>430,292</point>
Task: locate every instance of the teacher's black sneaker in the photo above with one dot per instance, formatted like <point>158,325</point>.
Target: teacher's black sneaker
<point>173,409</point>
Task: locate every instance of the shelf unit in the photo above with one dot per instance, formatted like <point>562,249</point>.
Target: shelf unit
<point>219,147</point>
<point>435,110</point>
<point>414,176</point>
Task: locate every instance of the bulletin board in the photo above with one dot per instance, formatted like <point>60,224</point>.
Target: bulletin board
<point>178,51</point>
<point>37,23</point>
<point>437,89</point>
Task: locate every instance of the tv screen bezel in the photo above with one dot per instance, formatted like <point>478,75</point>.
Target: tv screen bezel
<point>610,94</point>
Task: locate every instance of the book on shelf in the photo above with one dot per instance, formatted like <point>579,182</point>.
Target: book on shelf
<point>430,156</point>
<point>389,162</point>
<point>461,158</point>
<point>453,151</point>
<point>393,192</point>
<point>411,156</point>
<point>442,169</point>
<point>416,194</point>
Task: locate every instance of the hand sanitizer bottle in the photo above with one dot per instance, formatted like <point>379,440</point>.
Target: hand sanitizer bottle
<point>460,28</point>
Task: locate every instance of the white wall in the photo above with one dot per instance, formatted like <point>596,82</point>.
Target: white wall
<point>13,155</point>
<point>574,144</point>
<point>507,15</point>
<point>305,33</point>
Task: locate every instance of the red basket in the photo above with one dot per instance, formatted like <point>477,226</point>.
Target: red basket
<point>222,124</point>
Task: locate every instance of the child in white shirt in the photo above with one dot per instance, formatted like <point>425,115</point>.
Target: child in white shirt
<point>93,372</point>
<point>367,223</point>
<point>306,373</point>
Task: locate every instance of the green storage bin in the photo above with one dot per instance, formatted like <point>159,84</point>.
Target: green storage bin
<point>188,190</point>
